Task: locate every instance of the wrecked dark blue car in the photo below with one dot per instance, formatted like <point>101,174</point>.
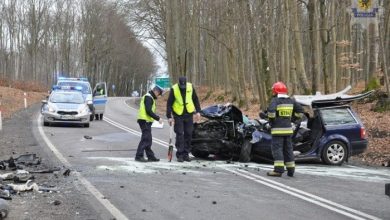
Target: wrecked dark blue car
<point>331,132</point>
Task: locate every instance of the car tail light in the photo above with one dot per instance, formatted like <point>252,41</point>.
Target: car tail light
<point>362,133</point>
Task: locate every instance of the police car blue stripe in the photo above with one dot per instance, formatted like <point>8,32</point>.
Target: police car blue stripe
<point>100,101</point>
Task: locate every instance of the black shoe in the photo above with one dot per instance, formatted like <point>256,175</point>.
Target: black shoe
<point>141,159</point>
<point>180,159</point>
<point>290,172</point>
<point>153,159</point>
<point>187,159</point>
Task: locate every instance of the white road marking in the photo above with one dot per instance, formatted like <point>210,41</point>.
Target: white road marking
<point>135,132</point>
<point>124,102</point>
<point>344,172</point>
<point>117,214</point>
<point>355,214</point>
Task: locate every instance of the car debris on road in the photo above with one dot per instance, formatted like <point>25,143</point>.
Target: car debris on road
<point>16,176</point>
<point>4,209</point>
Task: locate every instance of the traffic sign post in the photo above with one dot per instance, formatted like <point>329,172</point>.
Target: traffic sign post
<point>113,89</point>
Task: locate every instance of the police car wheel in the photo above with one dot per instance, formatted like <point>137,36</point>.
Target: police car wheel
<point>86,125</point>
<point>45,123</point>
<point>101,116</point>
<point>334,153</point>
<point>245,153</point>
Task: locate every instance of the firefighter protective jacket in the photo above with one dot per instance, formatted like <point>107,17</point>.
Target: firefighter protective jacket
<point>281,112</point>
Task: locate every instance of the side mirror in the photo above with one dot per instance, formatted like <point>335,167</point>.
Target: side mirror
<point>44,101</point>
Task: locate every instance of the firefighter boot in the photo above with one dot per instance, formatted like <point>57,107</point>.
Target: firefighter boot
<point>290,171</point>
<point>273,173</point>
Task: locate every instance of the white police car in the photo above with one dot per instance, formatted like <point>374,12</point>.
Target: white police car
<point>66,106</point>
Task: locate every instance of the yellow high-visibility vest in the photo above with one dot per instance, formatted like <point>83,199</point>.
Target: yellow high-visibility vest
<point>178,104</point>
<point>142,110</point>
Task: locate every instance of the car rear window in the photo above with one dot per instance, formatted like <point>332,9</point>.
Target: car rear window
<point>337,116</point>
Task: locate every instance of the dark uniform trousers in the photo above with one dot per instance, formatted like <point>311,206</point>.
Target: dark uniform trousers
<point>283,153</point>
<point>183,128</point>
<point>146,139</point>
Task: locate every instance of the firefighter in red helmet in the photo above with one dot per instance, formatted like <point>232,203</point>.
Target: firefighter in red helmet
<point>281,112</point>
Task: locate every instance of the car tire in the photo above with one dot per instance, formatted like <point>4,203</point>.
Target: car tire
<point>45,123</point>
<point>91,117</point>
<point>101,116</point>
<point>200,154</point>
<point>245,153</point>
<point>86,125</point>
<point>334,153</point>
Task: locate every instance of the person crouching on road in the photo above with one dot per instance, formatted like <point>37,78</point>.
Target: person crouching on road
<point>182,104</point>
<point>281,111</point>
<point>146,116</point>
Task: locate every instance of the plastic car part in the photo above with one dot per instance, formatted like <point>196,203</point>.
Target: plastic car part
<point>210,129</point>
<point>4,208</point>
<point>25,187</point>
<point>28,159</point>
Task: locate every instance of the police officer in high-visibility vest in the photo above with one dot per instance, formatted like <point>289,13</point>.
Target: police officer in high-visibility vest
<point>182,104</point>
<point>146,116</point>
<point>281,112</point>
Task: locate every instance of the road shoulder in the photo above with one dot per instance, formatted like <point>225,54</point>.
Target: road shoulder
<point>71,202</point>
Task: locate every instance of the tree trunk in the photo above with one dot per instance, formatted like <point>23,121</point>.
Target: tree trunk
<point>299,59</point>
<point>315,44</point>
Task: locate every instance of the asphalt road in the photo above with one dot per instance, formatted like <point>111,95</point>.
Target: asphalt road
<point>124,189</point>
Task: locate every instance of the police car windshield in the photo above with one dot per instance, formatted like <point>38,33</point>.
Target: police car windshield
<point>67,97</point>
<point>84,86</point>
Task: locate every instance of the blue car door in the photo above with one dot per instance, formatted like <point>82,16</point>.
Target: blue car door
<point>100,97</point>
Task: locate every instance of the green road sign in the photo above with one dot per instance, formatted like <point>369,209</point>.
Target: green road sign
<point>163,82</point>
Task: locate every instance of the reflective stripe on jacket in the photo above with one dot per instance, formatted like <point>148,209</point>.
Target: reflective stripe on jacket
<point>178,104</point>
<point>280,113</point>
<point>142,110</point>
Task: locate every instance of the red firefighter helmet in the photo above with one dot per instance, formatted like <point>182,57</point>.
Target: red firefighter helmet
<point>279,88</point>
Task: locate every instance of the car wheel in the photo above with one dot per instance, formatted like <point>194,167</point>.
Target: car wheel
<point>86,125</point>
<point>91,117</point>
<point>245,154</point>
<point>45,123</point>
<point>200,154</point>
<point>101,116</point>
<point>334,153</point>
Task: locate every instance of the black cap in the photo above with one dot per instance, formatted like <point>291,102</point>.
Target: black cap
<point>182,82</point>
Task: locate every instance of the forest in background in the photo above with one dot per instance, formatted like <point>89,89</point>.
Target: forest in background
<point>43,39</point>
<point>239,46</point>
<point>243,46</point>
